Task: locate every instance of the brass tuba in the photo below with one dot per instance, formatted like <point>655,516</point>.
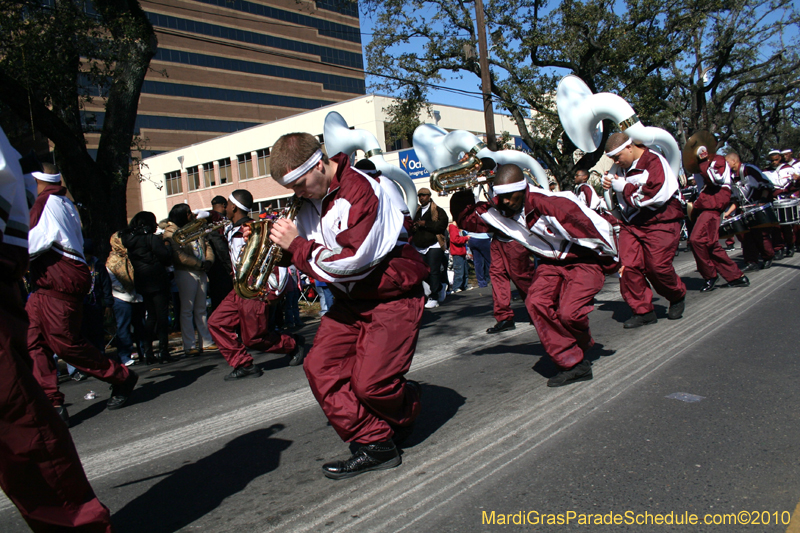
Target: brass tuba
<point>259,257</point>
<point>196,229</point>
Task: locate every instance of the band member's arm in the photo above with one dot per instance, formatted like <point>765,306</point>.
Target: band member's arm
<point>586,228</point>
<point>655,191</point>
<point>367,228</point>
<point>465,213</point>
<point>731,208</point>
<point>44,231</point>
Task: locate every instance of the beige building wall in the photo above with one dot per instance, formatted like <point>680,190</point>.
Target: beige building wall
<point>366,112</point>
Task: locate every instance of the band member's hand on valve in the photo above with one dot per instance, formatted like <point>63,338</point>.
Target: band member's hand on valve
<point>283,233</point>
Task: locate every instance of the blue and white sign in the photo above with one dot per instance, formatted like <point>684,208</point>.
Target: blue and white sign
<point>410,163</point>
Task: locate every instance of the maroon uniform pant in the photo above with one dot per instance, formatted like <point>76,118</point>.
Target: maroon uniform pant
<point>755,243</point>
<point>711,259</point>
<point>251,319</point>
<point>55,327</point>
<point>356,368</point>
<point>39,467</point>
<point>646,253</point>
<point>559,302</point>
<point>782,237</point>
<point>510,262</point>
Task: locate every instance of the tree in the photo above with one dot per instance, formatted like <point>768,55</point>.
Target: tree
<point>739,77</point>
<point>639,50</point>
<point>404,114</point>
<point>59,55</point>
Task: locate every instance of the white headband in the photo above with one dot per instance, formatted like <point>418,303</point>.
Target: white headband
<point>302,169</point>
<point>618,149</point>
<point>50,178</point>
<point>774,152</point>
<point>510,187</point>
<point>238,204</point>
<point>787,151</point>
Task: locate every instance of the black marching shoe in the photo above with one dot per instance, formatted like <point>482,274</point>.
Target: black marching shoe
<point>121,393</point>
<point>741,282</point>
<point>709,285</point>
<point>376,456</point>
<point>241,372</point>
<point>640,320</point>
<point>676,309</point>
<point>779,255</point>
<point>752,267</point>
<point>580,372</point>
<point>166,359</point>
<point>502,325</point>
<point>767,264</point>
<point>63,414</point>
<point>299,352</point>
<point>790,252</point>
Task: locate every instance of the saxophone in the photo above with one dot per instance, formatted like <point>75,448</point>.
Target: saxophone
<point>196,229</point>
<point>259,257</point>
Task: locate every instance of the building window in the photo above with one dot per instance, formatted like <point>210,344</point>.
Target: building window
<point>208,174</point>
<point>245,166</point>
<point>193,174</point>
<point>173,181</point>
<point>225,171</point>
<point>263,162</point>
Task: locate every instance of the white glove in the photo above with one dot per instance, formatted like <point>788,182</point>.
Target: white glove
<point>618,184</point>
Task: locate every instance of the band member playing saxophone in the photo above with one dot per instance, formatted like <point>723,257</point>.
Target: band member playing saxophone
<point>349,234</point>
<point>648,194</point>
<point>249,316</point>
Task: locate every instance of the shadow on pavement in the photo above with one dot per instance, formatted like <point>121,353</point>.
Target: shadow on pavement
<point>439,404</point>
<point>148,390</point>
<point>196,489</point>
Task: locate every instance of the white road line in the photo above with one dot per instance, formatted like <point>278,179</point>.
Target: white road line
<point>438,479</point>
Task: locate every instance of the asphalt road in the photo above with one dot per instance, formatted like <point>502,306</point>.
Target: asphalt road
<point>691,417</point>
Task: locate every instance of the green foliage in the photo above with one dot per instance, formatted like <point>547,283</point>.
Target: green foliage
<point>58,56</point>
<point>647,51</point>
<point>404,114</point>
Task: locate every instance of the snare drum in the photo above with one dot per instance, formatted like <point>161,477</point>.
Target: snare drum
<point>733,226</point>
<point>689,194</point>
<point>788,210</point>
<point>761,216</point>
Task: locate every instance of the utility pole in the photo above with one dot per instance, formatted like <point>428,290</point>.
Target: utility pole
<point>486,82</point>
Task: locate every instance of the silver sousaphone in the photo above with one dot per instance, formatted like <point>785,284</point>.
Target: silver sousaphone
<point>439,152</point>
<point>582,113</point>
<point>339,138</point>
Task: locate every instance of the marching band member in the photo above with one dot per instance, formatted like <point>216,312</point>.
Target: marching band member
<point>510,262</point>
<point>714,184</point>
<point>249,316</point>
<point>55,308</point>
<point>783,178</point>
<point>757,188</point>
<point>586,192</point>
<point>348,233</point>
<point>575,246</point>
<point>40,470</point>
<point>648,194</point>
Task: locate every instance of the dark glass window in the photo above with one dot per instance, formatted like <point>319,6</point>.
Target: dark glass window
<point>173,181</point>
<point>263,162</point>
<point>225,171</point>
<point>328,81</point>
<point>326,54</point>
<point>230,95</point>
<point>193,175</point>
<point>208,174</point>
<point>245,166</point>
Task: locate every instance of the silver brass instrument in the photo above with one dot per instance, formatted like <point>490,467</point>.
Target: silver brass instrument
<point>464,174</point>
<point>197,228</point>
<point>259,257</point>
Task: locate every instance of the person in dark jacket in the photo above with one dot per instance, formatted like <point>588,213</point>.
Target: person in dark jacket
<point>150,255</point>
<point>427,230</point>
